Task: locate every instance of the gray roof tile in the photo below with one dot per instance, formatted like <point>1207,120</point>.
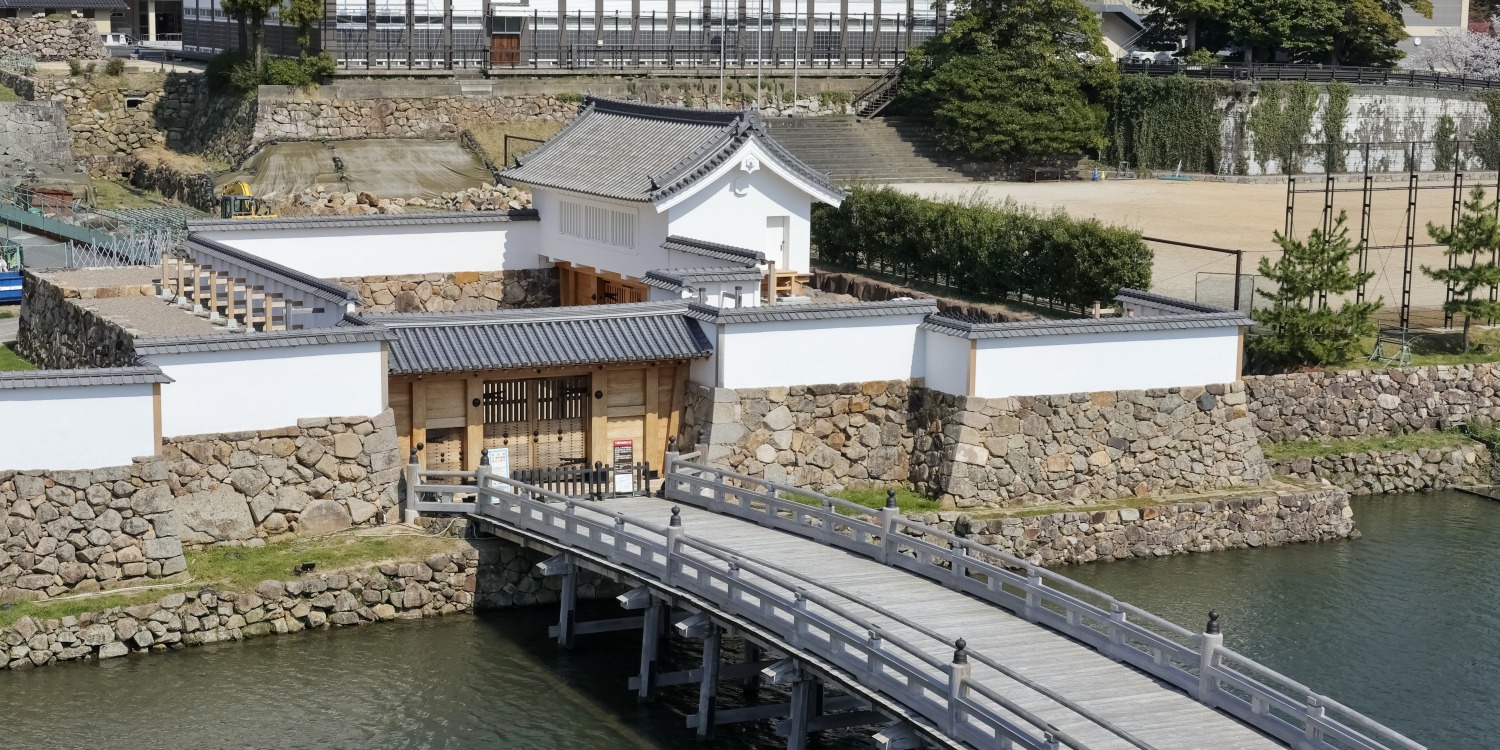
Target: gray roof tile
<point>334,294</point>
<point>426,218</point>
<point>640,152</point>
<point>1171,304</point>
<point>714,250</point>
<point>342,334</point>
<point>142,375</point>
<point>546,337</point>
<point>969,330</point>
<point>677,279</point>
<point>785,312</point>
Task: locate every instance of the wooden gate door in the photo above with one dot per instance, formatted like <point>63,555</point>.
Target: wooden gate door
<point>542,421</point>
<point>505,49</point>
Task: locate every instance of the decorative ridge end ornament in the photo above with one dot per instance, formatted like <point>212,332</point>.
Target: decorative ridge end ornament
<point>750,165</point>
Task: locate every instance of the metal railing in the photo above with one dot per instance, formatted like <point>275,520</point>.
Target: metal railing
<point>940,691</point>
<point>1196,663</point>
<point>1314,74</point>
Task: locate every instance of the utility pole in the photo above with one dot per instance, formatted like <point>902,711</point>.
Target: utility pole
<point>723,34</point>
<point>760,58</point>
<point>796,50</point>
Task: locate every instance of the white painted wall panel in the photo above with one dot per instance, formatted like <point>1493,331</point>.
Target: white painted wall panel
<point>946,363</point>
<point>646,255</point>
<point>230,391</point>
<point>332,253</point>
<point>1105,362</point>
<point>814,352</point>
<point>76,427</point>
<point>733,207</point>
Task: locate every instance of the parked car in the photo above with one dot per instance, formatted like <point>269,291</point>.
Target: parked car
<point>118,40</point>
<point>1151,57</point>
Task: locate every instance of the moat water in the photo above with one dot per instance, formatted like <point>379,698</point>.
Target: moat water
<point>1401,624</point>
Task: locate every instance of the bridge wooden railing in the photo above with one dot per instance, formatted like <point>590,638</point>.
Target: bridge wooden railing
<point>1198,663</point>
<point>942,692</point>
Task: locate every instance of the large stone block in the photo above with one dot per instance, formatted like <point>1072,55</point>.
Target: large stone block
<point>216,516</point>
<point>323,517</point>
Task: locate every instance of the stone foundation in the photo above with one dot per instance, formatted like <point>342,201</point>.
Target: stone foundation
<point>1375,472</point>
<point>441,292</point>
<point>50,39</point>
<point>323,475</point>
<point>1316,405</point>
<point>1268,520</point>
<point>82,531</point>
<point>56,334</point>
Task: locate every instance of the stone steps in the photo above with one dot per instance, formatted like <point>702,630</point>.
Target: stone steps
<point>877,150</point>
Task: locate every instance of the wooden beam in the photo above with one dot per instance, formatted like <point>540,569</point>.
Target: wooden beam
<point>708,688</point>
<point>679,395</point>
<point>598,437</point>
<point>655,450</point>
<point>156,418</point>
<point>473,421</point>
<point>969,389</point>
<point>419,419</point>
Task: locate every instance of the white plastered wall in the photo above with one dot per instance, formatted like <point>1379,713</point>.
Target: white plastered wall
<point>946,365</point>
<point>76,427</point>
<point>632,262</point>
<point>732,206</point>
<point>813,352</point>
<point>1081,363</point>
<point>718,294</point>
<point>347,252</point>
<point>258,389</point>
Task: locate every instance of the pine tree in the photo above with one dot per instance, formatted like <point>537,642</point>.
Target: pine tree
<point>1304,328</point>
<point>1472,244</point>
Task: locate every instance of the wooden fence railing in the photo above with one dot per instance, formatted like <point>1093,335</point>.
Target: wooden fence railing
<point>1197,663</point>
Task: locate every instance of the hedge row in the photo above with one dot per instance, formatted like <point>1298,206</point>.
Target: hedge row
<point>982,249</point>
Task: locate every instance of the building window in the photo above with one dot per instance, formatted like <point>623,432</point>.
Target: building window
<point>597,224</point>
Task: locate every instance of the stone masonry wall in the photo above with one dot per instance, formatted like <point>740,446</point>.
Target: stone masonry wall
<point>34,134</point>
<point>56,334</point>
<point>439,292</point>
<point>1073,448</point>
<point>806,436</point>
<point>1264,520</point>
<point>1375,472</point>
<point>50,39</point>
<point>1315,405</point>
<point>81,531</point>
<point>324,475</point>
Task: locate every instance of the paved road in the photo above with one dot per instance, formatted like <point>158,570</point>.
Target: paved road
<point>10,327</point>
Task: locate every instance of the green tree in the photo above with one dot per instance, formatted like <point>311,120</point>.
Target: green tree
<point>1014,78</point>
<point>1304,328</point>
<point>1183,16</point>
<point>253,13</point>
<point>1472,244</point>
<point>304,14</point>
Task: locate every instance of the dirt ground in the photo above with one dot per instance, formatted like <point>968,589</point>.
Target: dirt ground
<point>1240,217</point>
<point>389,168</point>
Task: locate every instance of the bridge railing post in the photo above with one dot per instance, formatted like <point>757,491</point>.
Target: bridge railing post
<point>674,538</point>
<point>413,478</point>
<point>482,474</point>
<point>958,687</point>
<point>1312,732</point>
<point>1208,661</point>
<point>1033,595</point>
<point>888,527</point>
<point>1116,631</point>
<point>669,466</point>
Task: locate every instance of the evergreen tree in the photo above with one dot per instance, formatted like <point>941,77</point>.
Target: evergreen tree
<point>1304,328</point>
<point>1472,244</point>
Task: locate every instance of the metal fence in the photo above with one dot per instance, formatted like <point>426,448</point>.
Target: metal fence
<point>621,40</point>
<point>86,237</point>
<point>1218,289</point>
<point>1314,74</point>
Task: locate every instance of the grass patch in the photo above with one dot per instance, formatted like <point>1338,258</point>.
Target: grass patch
<point>8,94</point>
<point>181,162</point>
<point>12,362</point>
<point>111,194</point>
<point>1437,349</point>
<point>491,137</point>
<point>6,314</point>
<point>241,569</point>
<point>1409,442</point>
<point>874,497</point>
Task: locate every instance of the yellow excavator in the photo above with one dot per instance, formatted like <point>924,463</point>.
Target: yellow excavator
<point>237,202</point>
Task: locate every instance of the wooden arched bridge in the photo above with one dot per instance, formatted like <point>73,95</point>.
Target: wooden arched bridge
<point>877,620</point>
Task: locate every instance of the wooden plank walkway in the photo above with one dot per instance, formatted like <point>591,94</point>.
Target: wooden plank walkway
<point>1160,715</point>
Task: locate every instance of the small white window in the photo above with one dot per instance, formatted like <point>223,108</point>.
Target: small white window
<point>597,224</point>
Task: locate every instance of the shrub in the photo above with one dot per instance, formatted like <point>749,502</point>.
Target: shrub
<point>568,97</point>
<point>114,67</point>
<point>233,71</point>
<point>75,66</point>
<point>831,99</point>
<point>982,249</point>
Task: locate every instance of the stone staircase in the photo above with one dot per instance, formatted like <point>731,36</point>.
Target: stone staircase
<point>878,150</point>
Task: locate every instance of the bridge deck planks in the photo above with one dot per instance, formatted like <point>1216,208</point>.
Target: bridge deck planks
<point>1157,713</point>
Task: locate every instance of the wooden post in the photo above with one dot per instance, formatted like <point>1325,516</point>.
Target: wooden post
<point>752,655</point>
<point>568,607</point>
<point>473,420</point>
<point>708,689</point>
<point>1208,660</point>
<point>650,647</point>
<point>802,708</point>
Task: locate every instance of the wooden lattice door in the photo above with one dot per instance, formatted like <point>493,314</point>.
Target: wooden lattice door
<point>543,421</point>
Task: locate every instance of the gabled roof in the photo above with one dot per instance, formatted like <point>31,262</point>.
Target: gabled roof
<point>826,311</point>
<point>425,218</point>
<point>677,279</point>
<point>143,375</point>
<point>1170,304</point>
<point>714,250</point>
<point>544,337</point>
<point>969,330</point>
<point>639,152</point>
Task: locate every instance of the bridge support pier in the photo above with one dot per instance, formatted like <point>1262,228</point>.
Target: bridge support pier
<point>708,690</point>
<point>752,655</point>
<point>651,637</point>
<point>807,704</point>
